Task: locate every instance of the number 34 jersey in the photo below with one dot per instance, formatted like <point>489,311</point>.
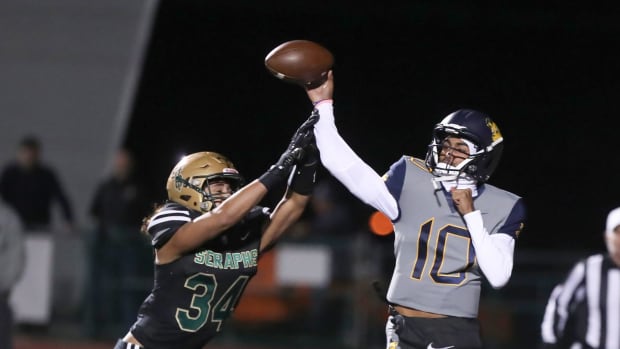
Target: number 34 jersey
<point>194,295</point>
<point>435,268</point>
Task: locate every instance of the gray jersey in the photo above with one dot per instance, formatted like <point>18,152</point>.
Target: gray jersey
<point>435,267</point>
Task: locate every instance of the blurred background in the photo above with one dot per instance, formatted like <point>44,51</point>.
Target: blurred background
<point>113,87</point>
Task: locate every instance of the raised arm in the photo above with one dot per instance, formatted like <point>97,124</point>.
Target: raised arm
<point>341,161</point>
<point>229,212</point>
<point>297,196</point>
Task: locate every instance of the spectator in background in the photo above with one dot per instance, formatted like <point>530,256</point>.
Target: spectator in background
<point>31,188</point>
<point>12,261</point>
<point>120,256</point>
<point>584,310</point>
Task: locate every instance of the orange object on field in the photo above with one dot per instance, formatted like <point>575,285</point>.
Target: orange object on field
<point>380,224</point>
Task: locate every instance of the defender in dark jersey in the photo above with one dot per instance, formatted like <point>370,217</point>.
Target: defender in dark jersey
<point>208,238</point>
<point>450,227</point>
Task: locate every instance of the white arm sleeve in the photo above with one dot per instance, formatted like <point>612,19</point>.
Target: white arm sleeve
<point>344,164</point>
<point>494,252</point>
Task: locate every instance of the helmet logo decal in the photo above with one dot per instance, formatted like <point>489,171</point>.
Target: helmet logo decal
<point>189,179</point>
<point>495,134</point>
<point>178,180</point>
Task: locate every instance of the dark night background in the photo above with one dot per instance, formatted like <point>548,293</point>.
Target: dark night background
<point>545,71</point>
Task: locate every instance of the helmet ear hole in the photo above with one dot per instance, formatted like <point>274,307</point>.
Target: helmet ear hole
<point>185,197</point>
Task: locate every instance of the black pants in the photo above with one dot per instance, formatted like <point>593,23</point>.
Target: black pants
<point>124,345</point>
<point>421,333</point>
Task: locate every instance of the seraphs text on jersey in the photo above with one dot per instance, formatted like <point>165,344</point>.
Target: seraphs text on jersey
<point>228,260</point>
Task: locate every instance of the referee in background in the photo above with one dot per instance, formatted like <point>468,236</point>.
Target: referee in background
<point>583,312</point>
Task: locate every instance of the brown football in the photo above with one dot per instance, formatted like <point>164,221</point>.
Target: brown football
<point>301,62</point>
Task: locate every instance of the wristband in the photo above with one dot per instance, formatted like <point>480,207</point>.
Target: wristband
<point>321,101</point>
<point>270,179</point>
<point>304,179</point>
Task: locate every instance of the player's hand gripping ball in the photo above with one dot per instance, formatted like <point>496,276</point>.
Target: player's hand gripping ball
<point>301,62</point>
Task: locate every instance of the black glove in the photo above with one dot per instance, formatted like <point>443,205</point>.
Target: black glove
<point>287,160</point>
<point>304,177</point>
<point>305,133</point>
<point>281,170</point>
<point>292,155</point>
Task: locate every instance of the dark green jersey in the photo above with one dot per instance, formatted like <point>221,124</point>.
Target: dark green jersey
<point>194,295</point>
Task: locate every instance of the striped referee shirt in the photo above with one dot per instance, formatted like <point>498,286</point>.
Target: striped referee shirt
<point>584,310</point>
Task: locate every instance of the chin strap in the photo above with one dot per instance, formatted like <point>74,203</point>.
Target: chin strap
<point>453,181</point>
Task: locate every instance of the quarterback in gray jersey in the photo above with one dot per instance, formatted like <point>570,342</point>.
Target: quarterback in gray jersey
<point>451,227</point>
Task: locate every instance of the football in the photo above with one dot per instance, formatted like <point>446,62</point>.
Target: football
<point>302,62</point>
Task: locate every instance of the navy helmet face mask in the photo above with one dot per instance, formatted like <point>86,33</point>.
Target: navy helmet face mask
<point>475,127</point>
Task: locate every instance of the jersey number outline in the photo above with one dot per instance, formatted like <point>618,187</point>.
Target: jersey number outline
<point>438,255</point>
<point>203,287</point>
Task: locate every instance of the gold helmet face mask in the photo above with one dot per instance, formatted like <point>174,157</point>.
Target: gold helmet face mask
<point>188,183</point>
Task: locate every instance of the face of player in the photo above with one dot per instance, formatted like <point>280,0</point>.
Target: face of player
<point>613,244</point>
<point>453,151</point>
<point>220,190</point>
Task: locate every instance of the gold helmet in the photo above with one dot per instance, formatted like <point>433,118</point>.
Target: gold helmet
<point>188,183</point>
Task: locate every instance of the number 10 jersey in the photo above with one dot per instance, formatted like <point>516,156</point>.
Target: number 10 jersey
<point>435,268</point>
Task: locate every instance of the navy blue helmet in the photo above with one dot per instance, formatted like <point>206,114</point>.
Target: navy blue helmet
<point>477,128</point>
